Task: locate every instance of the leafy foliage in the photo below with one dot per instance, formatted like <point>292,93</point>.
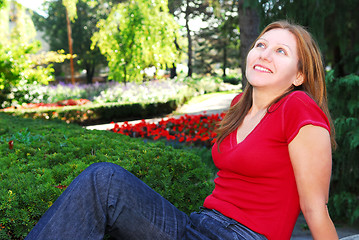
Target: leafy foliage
<point>113,101</point>
<point>54,27</point>
<point>70,6</point>
<point>136,35</point>
<point>150,91</point>
<point>333,23</point>
<point>344,206</point>
<point>218,42</point>
<point>190,10</point>
<point>22,73</point>
<point>46,157</point>
<point>153,91</point>
<point>17,69</point>
<point>18,66</point>
<point>344,107</point>
<point>204,85</point>
<point>100,113</point>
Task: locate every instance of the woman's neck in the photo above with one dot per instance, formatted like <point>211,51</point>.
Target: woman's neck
<point>261,101</point>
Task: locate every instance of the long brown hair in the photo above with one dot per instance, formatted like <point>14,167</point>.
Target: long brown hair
<point>309,64</point>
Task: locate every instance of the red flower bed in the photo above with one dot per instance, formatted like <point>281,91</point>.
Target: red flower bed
<point>191,129</point>
<point>70,102</point>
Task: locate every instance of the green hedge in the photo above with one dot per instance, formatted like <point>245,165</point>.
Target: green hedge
<point>344,106</point>
<point>46,154</point>
<point>100,113</point>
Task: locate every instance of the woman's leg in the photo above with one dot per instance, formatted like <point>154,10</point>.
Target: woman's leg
<point>107,198</point>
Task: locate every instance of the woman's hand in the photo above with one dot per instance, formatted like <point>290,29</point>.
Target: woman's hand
<point>311,157</point>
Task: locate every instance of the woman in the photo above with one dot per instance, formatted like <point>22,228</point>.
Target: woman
<point>273,154</point>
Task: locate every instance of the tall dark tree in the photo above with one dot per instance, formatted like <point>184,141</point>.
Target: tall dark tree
<point>189,37</point>
<point>249,13</point>
<point>249,22</point>
<point>229,32</point>
<point>82,31</point>
<point>218,43</point>
<point>334,24</point>
<point>189,9</point>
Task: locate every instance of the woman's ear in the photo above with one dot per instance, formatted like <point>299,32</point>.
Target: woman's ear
<point>298,80</point>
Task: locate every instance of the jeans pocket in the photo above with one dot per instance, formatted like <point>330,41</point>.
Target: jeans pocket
<point>234,228</point>
<point>245,232</point>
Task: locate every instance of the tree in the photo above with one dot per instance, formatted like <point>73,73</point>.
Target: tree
<point>334,24</point>
<point>219,41</point>
<point>2,3</point>
<point>82,30</point>
<point>189,10</point>
<point>16,48</point>
<point>136,35</point>
<point>249,23</point>
<point>4,22</point>
<point>71,15</point>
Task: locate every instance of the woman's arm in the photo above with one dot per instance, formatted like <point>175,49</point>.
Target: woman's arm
<point>311,157</point>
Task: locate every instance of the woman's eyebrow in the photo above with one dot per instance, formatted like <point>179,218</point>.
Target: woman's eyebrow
<point>284,45</point>
<point>289,47</point>
<point>262,39</point>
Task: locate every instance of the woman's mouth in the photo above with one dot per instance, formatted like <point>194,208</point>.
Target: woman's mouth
<point>262,69</point>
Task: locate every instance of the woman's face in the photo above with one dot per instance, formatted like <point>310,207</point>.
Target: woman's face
<point>272,64</point>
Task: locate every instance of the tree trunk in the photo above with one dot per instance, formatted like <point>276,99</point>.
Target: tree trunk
<point>90,72</point>
<point>338,64</point>
<point>69,35</point>
<point>249,30</point>
<point>224,60</point>
<point>189,41</point>
<point>173,71</point>
<point>125,74</point>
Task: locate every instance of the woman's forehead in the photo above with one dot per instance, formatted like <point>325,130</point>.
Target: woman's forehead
<point>280,36</point>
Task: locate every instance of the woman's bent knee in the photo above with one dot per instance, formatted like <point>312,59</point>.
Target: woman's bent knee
<point>105,170</point>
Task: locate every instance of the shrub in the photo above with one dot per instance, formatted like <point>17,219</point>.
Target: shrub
<point>46,156</point>
<point>114,101</point>
<point>204,84</point>
<point>152,91</point>
<point>99,113</point>
<point>21,73</point>
<point>344,107</point>
<point>344,206</point>
<point>234,80</point>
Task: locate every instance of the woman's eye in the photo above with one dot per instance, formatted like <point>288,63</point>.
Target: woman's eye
<point>261,45</point>
<point>282,51</point>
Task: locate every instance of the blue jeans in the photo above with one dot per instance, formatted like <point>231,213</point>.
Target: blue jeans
<point>105,198</point>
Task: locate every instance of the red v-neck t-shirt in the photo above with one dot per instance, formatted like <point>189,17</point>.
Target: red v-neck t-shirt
<point>255,183</point>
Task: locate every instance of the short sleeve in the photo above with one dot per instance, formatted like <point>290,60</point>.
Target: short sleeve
<point>301,110</point>
<point>236,99</point>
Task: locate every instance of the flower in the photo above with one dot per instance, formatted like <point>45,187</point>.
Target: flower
<point>11,144</point>
<point>189,129</point>
<point>61,186</point>
<point>70,102</point>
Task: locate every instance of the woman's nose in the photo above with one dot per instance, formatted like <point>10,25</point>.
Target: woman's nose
<point>266,54</point>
